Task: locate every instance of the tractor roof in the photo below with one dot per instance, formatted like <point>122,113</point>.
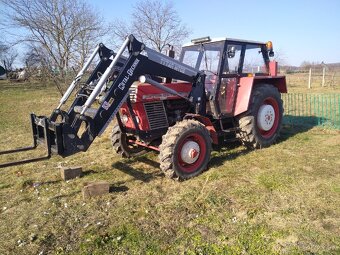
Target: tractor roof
<point>225,39</point>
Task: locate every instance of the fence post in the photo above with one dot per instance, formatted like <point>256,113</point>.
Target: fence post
<point>331,84</point>
<point>323,76</point>
<point>310,78</point>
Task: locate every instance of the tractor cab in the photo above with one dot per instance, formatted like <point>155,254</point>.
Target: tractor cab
<point>224,62</point>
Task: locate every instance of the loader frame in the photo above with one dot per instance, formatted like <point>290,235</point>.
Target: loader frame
<point>62,137</point>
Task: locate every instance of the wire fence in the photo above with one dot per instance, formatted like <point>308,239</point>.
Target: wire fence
<point>304,109</point>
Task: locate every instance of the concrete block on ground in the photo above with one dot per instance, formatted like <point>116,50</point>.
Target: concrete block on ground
<point>68,173</point>
<point>95,189</point>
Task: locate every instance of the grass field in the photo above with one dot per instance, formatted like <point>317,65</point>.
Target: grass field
<point>280,200</point>
<point>298,82</point>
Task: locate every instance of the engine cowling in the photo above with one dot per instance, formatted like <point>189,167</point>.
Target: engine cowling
<point>155,108</point>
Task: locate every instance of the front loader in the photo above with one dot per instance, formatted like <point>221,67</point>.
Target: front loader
<point>97,102</point>
<point>213,94</point>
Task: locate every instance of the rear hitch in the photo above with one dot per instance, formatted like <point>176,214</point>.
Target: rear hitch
<point>40,134</point>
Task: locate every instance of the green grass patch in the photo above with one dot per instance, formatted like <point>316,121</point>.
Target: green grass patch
<point>4,186</point>
<point>275,180</point>
<point>279,200</point>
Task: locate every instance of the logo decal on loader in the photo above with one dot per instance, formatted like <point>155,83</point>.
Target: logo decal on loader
<point>129,72</point>
<point>172,65</point>
<point>106,104</point>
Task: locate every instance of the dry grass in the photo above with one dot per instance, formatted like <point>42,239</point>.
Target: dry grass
<point>298,83</point>
<point>279,200</point>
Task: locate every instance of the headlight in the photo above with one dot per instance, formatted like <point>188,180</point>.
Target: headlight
<point>124,118</point>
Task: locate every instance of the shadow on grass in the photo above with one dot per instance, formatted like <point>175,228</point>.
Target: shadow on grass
<point>88,172</point>
<point>293,125</point>
<point>226,153</point>
<point>149,162</point>
<point>126,168</point>
<point>114,189</point>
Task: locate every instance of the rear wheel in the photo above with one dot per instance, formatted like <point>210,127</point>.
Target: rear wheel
<point>185,150</point>
<point>123,144</point>
<point>261,125</point>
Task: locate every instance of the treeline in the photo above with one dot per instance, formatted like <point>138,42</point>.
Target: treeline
<point>314,66</point>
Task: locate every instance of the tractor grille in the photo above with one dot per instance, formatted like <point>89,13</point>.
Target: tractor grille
<point>156,115</point>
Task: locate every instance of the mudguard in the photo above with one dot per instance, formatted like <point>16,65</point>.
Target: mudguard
<point>246,85</point>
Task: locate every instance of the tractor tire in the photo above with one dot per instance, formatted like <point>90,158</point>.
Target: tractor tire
<point>185,150</point>
<point>121,145</point>
<point>261,125</point>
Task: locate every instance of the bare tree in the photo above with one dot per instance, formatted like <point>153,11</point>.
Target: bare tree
<point>7,56</point>
<point>37,62</point>
<point>155,23</point>
<point>62,29</point>
<point>280,57</point>
<point>306,65</point>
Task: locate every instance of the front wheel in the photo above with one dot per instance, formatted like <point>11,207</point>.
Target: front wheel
<point>185,150</point>
<point>261,124</point>
<point>123,144</point>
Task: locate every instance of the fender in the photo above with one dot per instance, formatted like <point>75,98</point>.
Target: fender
<point>206,122</point>
<point>246,85</point>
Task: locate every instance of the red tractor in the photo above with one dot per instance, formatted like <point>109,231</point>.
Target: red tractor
<point>241,97</point>
<point>218,89</point>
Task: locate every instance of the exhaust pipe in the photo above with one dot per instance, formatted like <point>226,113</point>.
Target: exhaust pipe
<point>144,79</point>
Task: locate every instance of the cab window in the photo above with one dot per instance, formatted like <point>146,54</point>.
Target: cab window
<point>190,58</point>
<point>210,61</point>
<point>232,55</point>
<point>253,60</point>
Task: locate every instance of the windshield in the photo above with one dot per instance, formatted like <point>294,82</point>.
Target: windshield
<point>203,56</point>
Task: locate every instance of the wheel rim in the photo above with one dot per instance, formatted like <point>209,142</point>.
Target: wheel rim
<point>268,117</point>
<point>191,153</point>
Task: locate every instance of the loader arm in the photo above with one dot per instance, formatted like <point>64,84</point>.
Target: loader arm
<point>85,120</point>
<point>141,61</point>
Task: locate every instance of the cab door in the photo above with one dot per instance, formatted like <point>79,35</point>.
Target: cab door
<point>230,77</point>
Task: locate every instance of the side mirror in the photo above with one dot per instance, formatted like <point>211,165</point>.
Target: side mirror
<point>231,51</point>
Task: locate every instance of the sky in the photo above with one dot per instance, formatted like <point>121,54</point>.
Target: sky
<point>300,30</point>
